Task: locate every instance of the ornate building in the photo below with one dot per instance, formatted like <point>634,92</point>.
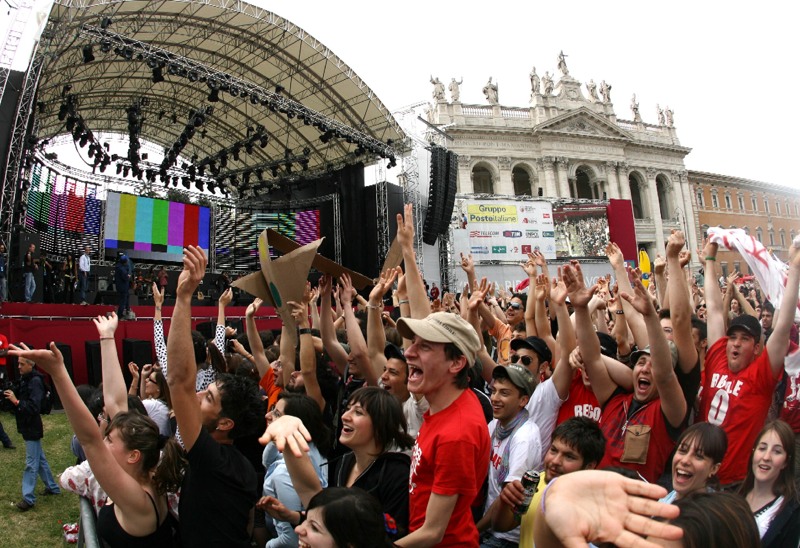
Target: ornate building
<point>570,145</point>
<point>771,213</point>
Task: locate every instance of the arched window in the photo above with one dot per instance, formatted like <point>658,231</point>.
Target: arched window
<point>771,238</point>
<point>714,199</point>
<point>740,198</point>
<point>701,200</point>
<point>783,238</point>
<point>766,206</point>
<point>754,203</point>
<point>583,186</point>
<point>760,235</point>
<point>636,198</point>
<point>522,182</point>
<point>482,182</point>
<point>728,203</point>
<point>663,192</point>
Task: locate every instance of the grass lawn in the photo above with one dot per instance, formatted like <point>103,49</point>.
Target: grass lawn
<point>41,525</point>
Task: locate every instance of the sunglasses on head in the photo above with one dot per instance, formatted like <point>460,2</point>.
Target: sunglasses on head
<point>526,360</point>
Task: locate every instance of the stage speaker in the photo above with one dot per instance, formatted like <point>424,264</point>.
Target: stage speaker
<point>94,364</point>
<point>443,220</point>
<point>437,196</point>
<point>137,351</point>
<point>66,351</point>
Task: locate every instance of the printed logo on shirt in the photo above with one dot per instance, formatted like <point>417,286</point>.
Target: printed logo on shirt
<point>416,456</point>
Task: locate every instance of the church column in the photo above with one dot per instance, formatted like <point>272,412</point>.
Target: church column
<point>541,181</point>
<point>465,185</point>
<point>692,241</point>
<point>612,182</point>
<point>551,190</point>
<point>655,208</point>
<point>505,185</point>
<point>622,179</point>
<point>563,182</point>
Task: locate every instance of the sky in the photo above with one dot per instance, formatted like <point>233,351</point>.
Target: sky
<point>727,70</point>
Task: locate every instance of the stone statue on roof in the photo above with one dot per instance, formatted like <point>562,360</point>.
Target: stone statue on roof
<point>562,64</point>
<point>535,82</point>
<point>660,115</point>
<point>592,88</point>
<point>605,91</point>
<point>668,114</point>
<point>547,83</point>
<point>490,91</point>
<point>455,90</point>
<point>635,109</point>
<point>438,89</point>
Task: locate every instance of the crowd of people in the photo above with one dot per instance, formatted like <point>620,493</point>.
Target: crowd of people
<point>568,415</point>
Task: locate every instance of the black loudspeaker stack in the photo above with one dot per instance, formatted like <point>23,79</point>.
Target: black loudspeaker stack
<point>441,194</point>
<point>137,351</point>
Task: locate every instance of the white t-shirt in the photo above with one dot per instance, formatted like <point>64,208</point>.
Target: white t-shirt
<point>414,409</point>
<point>159,412</point>
<point>525,454</point>
<point>543,408</point>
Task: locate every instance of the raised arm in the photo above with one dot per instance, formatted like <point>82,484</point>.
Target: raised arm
<point>468,266</point>
<point>660,275</point>
<point>308,356</point>
<point>418,298</point>
<point>376,335</point>
<point>778,343</point>
<point>326,329</point>
<point>579,295</point>
<point>680,311</point>
<point>180,352</point>
<point>115,393</point>
<point>470,314</point>
<point>531,326</point>
<point>562,374</point>
<point>158,330</point>
<point>291,438</point>
<point>355,338</point>
<point>219,333</point>
<point>634,319</point>
<point>543,329</point>
<point>253,338</point>
<point>715,321</point>
<point>673,403</point>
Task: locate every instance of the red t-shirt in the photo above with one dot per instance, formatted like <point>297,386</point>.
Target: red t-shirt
<point>581,402</point>
<point>450,457</point>
<point>3,346</point>
<point>738,403</point>
<point>647,425</point>
<point>790,411</point>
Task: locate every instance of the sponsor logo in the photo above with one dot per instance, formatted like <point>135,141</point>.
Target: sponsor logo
<point>491,213</point>
<point>548,234</point>
<point>545,215</point>
<point>479,250</point>
<point>483,233</point>
<point>498,249</point>
<point>512,234</point>
<point>526,248</point>
<point>531,233</point>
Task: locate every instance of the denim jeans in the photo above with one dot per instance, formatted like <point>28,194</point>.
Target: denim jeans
<point>83,284</point>
<point>36,465</point>
<point>30,286</point>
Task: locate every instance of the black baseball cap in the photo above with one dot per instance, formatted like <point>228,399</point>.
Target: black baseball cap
<point>608,345</point>
<point>533,343</point>
<point>746,323</point>
<point>392,351</point>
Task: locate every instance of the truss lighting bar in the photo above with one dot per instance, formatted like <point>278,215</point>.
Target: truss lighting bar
<point>274,100</point>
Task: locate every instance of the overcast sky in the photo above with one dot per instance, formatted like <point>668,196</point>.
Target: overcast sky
<point>727,70</point>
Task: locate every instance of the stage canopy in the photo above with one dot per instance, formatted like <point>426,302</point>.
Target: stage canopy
<point>278,87</point>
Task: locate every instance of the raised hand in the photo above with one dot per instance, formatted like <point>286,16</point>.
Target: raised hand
<point>640,300</point>
<point>405,227</point>
<point>147,369</point>
<point>346,292</point>
<point>194,268</point>
<point>383,285</point>
<point>106,325</point>
<point>226,297</point>
<point>709,249</point>
<point>614,255</point>
<point>478,293</point>
<point>299,313</point>
<point>579,294</point>
<point>50,360</point>
<point>529,266</point>
<point>675,243</point>
<point>684,257</point>
<point>287,431</point>
<point>558,290</point>
<point>540,290</point>
<point>467,264</point>
<point>659,264</point>
<point>308,294</point>
<point>253,307</point>
<point>538,258</point>
<point>276,509</point>
<point>134,370</point>
<point>158,296</point>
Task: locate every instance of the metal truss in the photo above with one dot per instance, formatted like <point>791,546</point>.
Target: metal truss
<point>382,210</point>
<point>447,261</point>
<point>409,179</point>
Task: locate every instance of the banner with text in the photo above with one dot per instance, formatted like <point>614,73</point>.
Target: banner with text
<point>504,230</point>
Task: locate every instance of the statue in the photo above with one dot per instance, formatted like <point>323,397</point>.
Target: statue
<point>547,82</point>
<point>635,109</point>
<point>562,64</point>
<point>605,91</point>
<point>668,113</point>
<point>455,91</point>
<point>490,91</point>
<point>592,87</point>
<point>534,82</point>
<point>660,115</point>
<point>438,89</point>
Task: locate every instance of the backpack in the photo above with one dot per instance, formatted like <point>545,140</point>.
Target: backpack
<point>46,403</point>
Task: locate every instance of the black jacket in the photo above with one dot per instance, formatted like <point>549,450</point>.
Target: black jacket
<point>29,392</point>
<point>784,530</point>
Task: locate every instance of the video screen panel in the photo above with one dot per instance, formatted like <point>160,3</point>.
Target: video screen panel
<point>153,229</point>
<point>581,230</point>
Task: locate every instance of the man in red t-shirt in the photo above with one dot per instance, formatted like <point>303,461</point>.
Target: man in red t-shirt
<point>740,371</point>
<point>450,459</point>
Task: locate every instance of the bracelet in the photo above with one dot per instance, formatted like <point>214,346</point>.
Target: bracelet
<point>403,301</point>
<point>158,308</point>
<point>106,338</point>
<point>619,312</point>
<point>710,258</point>
<point>375,306</point>
<point>304,331</point>
<point>544,493</point>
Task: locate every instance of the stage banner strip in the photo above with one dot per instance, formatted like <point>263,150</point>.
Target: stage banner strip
<point>622,229</point>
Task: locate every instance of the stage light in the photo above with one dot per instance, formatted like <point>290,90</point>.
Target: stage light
<point>264,141</point>
<point>63,110</point>
<point>274,171</point>
<point>248,147</point>
<point>193,76</point>
<point>158,75</point>
<point>66,89</point>
<point>144,156</point>
<point>213,96</point>
<point>203,134</point>
<point>88,56</point>
<point>174,118</point>
<point>127,53</point>
<point>105,23</point>
<point>105,46</point>
<point>279,88</point>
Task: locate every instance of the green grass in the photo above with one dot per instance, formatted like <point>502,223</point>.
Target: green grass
<point>41,525</point>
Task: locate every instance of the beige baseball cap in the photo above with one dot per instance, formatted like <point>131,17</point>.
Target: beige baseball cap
<point>443,327</point>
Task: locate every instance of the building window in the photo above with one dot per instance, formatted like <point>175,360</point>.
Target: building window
<point>701,202</point>
<point>746,230</point>
<point>783,238</point>
<point>759,235</point>
<point>771,238</point>
<point>755,204</point>
<point>791,235</point>
<point>728,203</point>
<point>737,267</point>
<point>724,266</point>
<point>777,207</point>
<point>714,199</point>
<point>766,206</point>
<point>741,202</point>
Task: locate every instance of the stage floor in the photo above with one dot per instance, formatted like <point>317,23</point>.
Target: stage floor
<point>71,325</point>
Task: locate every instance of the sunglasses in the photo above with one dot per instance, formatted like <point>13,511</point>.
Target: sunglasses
<point>526,360</point>
<point>515,306</point>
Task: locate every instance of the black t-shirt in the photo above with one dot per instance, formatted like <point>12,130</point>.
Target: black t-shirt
<point>218,492</point>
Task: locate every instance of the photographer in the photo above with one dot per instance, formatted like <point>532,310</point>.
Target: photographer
<point>26,400</point>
